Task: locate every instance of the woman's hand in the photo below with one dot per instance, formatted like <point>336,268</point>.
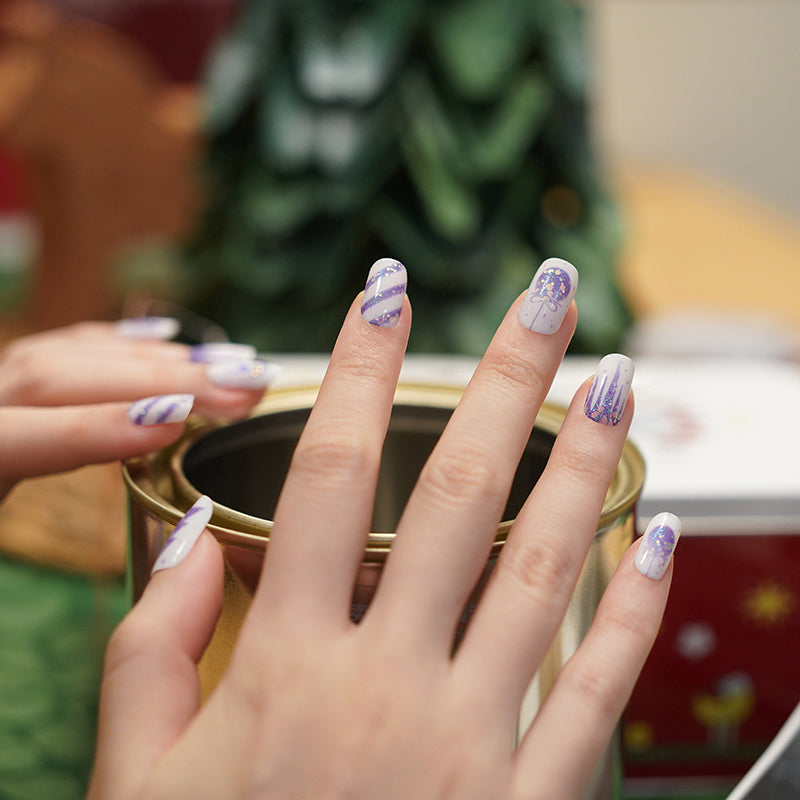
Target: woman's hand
<point>314,706</point>
<point>65,395</point>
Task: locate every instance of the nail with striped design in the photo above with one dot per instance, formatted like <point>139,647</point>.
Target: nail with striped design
<point>384,293</point>
<point>160,409</point>
<point>186,533</point>
<point>610,388</point>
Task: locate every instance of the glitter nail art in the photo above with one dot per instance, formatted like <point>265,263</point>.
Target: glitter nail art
<point>549,296</point>
<point>161,408</point>
<point>212,352</point>
<point>147,327</point>
<point>186,533</point>
<point>384,292</point>
<point>610,388</point>
<point>249,374</point>
<point>657,545</point>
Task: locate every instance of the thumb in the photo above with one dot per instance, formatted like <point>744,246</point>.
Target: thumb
<point>151,690</point>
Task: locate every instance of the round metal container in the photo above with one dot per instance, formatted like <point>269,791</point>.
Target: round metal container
<point>241,467</point>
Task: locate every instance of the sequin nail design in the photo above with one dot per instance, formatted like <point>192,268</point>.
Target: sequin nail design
<point>610,388</point>
<point>549,295</point>
<point>186,533</point>
<point>657,545</point>
<point>147,327</point>
<point>252,373</point>
<point>161,408</point>
<point>212,352</point>
<point>384,292</point>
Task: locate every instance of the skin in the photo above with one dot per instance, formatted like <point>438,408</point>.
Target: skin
<point>64,397</point>
<point>314,706</point>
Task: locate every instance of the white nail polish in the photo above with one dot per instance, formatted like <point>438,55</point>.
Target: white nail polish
<point>148,327</point>
<point>384,293</point>
<point>605,402</point>
<point>186,533</point>
<point>212,352</point>
<point>549,296</point>
<point>249,374</point>
<point>161,408</point>
<point>657,545</point>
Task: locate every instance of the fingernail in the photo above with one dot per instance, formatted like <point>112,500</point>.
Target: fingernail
<point>212,352</point>
<point>610,388</point>
<point>549,296</point>
<point>657,545</point>
<point>148,327</point>
<point>384,292</point>
<point>186,533</point>
<point>161,408</point>
<point>248,374</point>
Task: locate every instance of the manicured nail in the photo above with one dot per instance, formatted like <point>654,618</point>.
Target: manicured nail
<point>384,292</point>
<point>212,352</point>
<point>186,533</point>
<point>657,545</point>
<point>248,374</point>
<point>161,408</point>
<point>549,295</point>
<point>610,388</point>
<point>148,327</point>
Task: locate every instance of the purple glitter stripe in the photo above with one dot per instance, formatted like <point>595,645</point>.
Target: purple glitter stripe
<point>381,296</point>
<point>384,319</point>
<point>140,417</point>
<point>392,268</point>
<point>165,414</point>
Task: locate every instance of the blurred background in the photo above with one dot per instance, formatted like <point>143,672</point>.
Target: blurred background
<point>244,162</point>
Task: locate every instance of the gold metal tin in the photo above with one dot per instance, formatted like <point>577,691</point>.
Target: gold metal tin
<point>241,466</point>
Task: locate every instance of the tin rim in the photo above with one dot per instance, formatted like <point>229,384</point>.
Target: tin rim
<point>154,479</point>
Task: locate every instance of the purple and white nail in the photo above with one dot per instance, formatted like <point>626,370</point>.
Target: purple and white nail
<point>213,352</point>
<point>657,545</point>
<point>161,408</point>
<point>384,293</point>
<point>186,533</point>
<point>252,373</point>
<point>610,388</point>
<point>147,327</point>
<point>549,296</point>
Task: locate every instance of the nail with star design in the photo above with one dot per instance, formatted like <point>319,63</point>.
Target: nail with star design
<point>610,388</point>
<point>384,293</point>
<point>251,373</point>
<point>160,409</point>
<point>549,296</point>
<point>657,545</point>
<point>186,533</point>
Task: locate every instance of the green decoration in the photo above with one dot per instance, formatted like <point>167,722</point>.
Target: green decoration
<point>451,136</point>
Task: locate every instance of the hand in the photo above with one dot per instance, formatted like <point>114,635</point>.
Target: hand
<point>314,706</point>
<point>65,396</point>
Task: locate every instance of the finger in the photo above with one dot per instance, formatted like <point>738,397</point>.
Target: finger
<point>150,690</point>
<point>325,509</point>
<point>540,563</point>
<point>449,523</point>
<point>594,686</point>
<point>68,376</point>
<point>40,441</point>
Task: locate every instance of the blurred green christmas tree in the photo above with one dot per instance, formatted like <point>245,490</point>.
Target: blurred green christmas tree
<point>451,136</point>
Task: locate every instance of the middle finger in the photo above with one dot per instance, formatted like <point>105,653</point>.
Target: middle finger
<point>448,526</point>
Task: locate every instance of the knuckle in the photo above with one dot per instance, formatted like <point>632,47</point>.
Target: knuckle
<point>336,452</point>
<point>539,570</point>
<point>461,475</point>
<point>584,464</point>
<point>512,367</point>
<point>596,690</point>
<point>27,375</point>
